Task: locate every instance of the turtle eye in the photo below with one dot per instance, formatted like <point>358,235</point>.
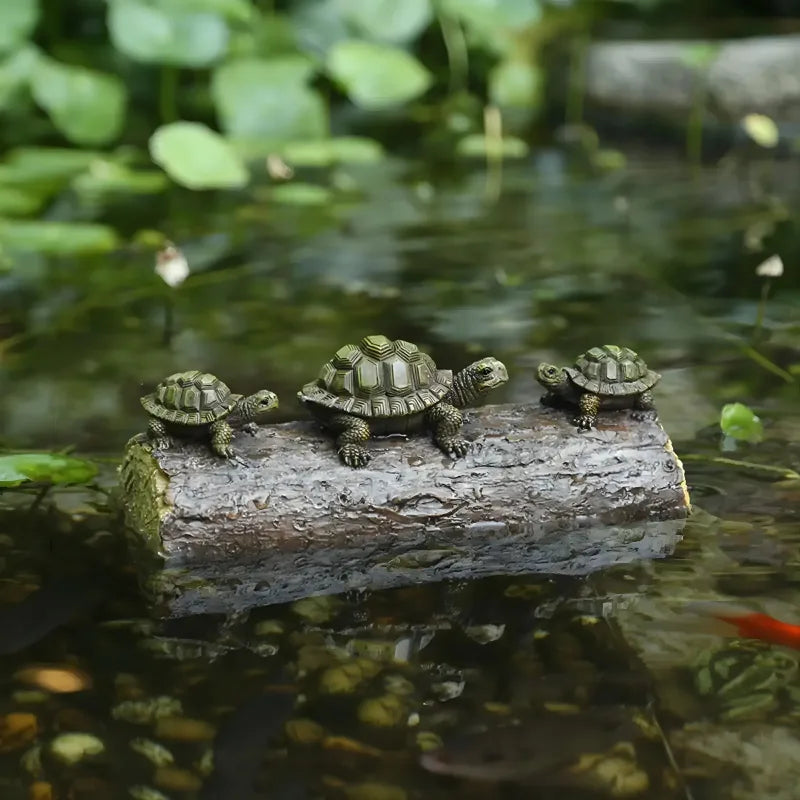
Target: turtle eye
<point>485,370</point>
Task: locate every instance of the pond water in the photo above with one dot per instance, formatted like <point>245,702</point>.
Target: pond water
<point>653,255</point>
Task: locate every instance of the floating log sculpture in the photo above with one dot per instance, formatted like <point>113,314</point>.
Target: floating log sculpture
<point>533,495</point>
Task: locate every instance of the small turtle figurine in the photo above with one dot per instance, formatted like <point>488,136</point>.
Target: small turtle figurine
<point>199,405</point>
<point>381,387</point>
<point>603,377</point>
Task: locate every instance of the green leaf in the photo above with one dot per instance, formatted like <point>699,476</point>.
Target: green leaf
<point>88,107</point>
<point>15,73</point>
<point>195,156</point>
<point>301,194</point>
<point>269,98</point>
<point>699,55</point>
<point>376,76</point>
<point>57,238</point>
<point>238,10</point>
<point>19,202</point>
<point>476,146</point>
<point>494,24</point>
<point>107,177</point>
<point>18,18</point>
<point>739,422</point>
<point>396,21</point>
<point>19,468</point>
<point>515,84</point>
<point>160,34</point>
<point>345,149</point>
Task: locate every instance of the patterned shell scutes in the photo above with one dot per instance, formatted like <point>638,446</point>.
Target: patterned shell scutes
<point>190,398</point>
<point>379,378</point>
<point>612,370</point>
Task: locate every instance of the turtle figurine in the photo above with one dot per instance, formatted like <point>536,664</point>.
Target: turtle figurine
<point>605,377</point>
<point>198,405</point>
<point>382,387</point>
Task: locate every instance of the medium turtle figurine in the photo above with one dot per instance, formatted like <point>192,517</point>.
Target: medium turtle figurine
<point>381,387</point>
<point>198,405</point>
<point>604,377</point>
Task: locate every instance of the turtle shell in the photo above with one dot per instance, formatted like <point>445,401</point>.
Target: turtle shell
<point>379,378</point>
<point>190,398</point>
<point>612,370</point>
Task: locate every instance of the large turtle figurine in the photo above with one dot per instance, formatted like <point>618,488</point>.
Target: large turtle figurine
<point>198,405</point>
<point>604,377</point>
<point>381,387</point>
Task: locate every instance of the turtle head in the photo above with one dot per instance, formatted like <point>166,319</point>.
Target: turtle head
<point>478,378</point>
<point>256,404</point>
<point>551,377</point>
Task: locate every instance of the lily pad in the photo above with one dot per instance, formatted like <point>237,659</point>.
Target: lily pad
<point>739,422</point>
<point>88,107</point>
<point>195,156</point>
<point>19,468</point>
<point>261,97</point>
<point>343,149</point>
<point>375,75</point>
<point>167,33</point>
<point>18,18</point>
<point>57,238</point>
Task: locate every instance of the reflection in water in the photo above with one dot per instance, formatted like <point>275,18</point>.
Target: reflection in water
<point>650,257</point>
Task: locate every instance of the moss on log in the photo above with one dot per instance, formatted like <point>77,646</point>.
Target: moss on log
<point>533,495</point>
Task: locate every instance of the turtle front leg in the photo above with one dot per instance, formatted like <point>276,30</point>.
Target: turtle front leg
<point>589,406</point>
<point>157,434</point>
<point>446,421</point>
<point>643,404</point>
<point>221,438</point>
<point>350,432</point>
<point>550,400</point>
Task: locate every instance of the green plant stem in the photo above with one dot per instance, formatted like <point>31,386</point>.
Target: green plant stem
<point>457,56</point>
<point>168,94</point>
<point>768,365</point>
<point>788,474</point>
<point>694,125</point>
<point>762,307</point>
<point>493,139</point>
<point>577,81</point>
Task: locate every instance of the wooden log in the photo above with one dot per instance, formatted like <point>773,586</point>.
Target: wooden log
<point>533,495</point>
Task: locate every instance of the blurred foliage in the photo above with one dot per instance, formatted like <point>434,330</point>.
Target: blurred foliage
<point>44,468</point>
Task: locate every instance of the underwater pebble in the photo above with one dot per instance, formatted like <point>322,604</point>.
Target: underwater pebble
<point>373,648</point>
<point>269,627</point>
<point>146,793</point>
<point>153,751</point>
<point>184,729</point>
<point>205,764</point>
<point>344,678</point>
<point>71,748</point>
<point>144,711</point>
<point>304,731</point>
<point>428,740</point>
<point>41,790</point>
<point>32,696</point>
<point>448,690</point>
<point>370,790</point>
<point>317,609</point>
<point>60,680</point>
<point>31,761</point>
<point>17,729</point>
<point>484,634</point>
<point>385,711</point>
<point>397,684</point>
<point>177,779</point>
<point>350,746</point>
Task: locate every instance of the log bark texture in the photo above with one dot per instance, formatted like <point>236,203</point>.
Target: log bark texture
<point>533,495</point>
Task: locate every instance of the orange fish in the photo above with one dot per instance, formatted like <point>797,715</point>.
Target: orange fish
<point>728,619</point>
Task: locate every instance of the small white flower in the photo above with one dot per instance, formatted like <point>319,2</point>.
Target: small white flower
<point>771,268</point>
<point>171,265</point>
<point>278,169</point>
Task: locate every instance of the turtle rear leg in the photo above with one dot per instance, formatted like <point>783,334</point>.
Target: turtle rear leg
<point>643,404</point>
<point>157,434</point>
<point>351,431</point>
<point>589,406</point>
<point>221,437</point>
<point>446,421</point>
